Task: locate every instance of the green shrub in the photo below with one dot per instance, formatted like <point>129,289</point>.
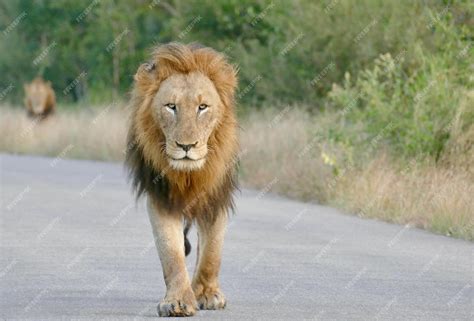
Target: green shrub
<point>408,110</point>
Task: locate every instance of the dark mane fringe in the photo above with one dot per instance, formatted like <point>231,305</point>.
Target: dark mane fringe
<point>144,178</point>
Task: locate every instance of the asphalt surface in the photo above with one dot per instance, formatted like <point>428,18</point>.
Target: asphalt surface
<point>75,246</point>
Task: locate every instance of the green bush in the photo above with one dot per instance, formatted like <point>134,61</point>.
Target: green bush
<point>405,109</point>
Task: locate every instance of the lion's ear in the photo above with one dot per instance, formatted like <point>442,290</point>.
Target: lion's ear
<point>226,82</point>
<point>145,77</point>
<point>149,66</point>
<point>145,70</point>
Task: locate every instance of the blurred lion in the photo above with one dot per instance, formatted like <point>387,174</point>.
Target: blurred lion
<point>182,152</point>
<point>40,100</point>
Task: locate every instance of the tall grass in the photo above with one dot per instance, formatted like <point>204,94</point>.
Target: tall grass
<point>97,133</point>
<point>297,155</point>
<point>429,196</point>
<point>281,154</point>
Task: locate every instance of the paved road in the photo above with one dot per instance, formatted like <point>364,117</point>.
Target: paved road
<point>75,246</point>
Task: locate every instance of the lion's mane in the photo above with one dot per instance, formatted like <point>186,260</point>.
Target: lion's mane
<point>203,192</point>
<point>48,105</point>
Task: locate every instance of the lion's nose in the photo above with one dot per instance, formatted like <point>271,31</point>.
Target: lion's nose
<point>186,147</point>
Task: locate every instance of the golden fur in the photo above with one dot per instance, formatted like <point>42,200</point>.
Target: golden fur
<point>194,192</point>
<point>197,186</point>
<point>40,100</point>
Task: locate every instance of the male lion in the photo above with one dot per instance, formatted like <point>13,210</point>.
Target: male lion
<point>182,149</point>
<point>40,100</point>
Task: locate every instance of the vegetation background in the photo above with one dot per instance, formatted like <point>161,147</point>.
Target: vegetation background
<point>366,105</point>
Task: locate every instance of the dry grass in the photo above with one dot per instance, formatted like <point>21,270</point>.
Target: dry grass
<point>421,195</point>
<point>97,133</point>
<point>283,152</point>
<point>280,153</point>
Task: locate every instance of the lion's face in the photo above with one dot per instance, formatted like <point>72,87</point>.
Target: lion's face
<point>187,108</point>
<point>38,96</point>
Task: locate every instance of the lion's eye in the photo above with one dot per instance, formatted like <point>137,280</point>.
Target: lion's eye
<point>171,106</point>
<point>203,107</point>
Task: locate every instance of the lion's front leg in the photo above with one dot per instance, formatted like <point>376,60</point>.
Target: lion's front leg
<point>169,240</point>
<point>206,277</point>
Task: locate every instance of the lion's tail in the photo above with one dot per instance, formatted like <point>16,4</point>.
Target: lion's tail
<point>187,244</point>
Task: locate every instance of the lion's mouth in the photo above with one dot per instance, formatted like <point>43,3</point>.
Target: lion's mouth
<point>186,163</point>
<point>187,158</point>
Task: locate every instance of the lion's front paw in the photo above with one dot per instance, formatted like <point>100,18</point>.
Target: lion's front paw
<point>210,299</point>
<point>177,307</point>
